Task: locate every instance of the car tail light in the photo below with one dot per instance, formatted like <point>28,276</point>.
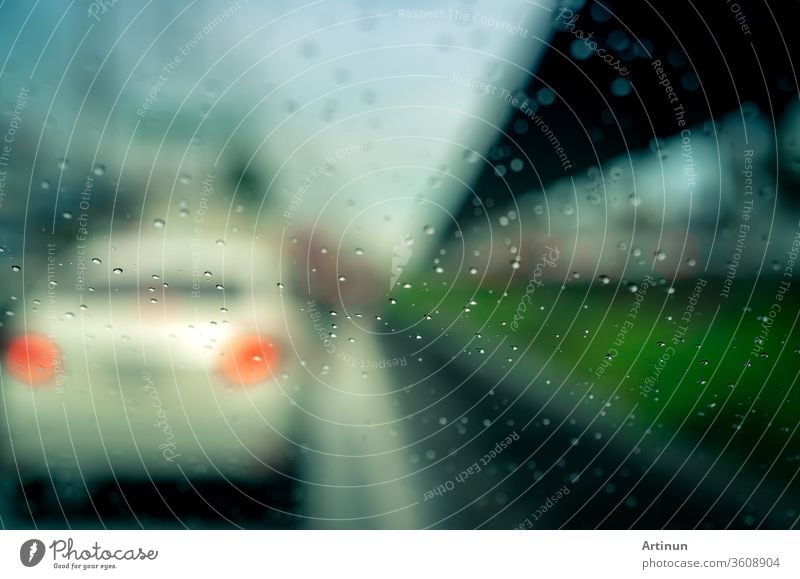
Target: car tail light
<point>249,360</point>
<point>33,359</point>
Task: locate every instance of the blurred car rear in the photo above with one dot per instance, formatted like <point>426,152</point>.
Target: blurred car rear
<point>160,359</point>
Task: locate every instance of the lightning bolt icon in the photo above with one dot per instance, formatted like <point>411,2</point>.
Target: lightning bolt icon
<point>32,552</point>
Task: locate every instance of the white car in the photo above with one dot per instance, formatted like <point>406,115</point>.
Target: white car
<point>151,355</point>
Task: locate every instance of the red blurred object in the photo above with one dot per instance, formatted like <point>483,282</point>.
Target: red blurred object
<point>317,264</point>
<point>32,359</point>
<point>249,360</point>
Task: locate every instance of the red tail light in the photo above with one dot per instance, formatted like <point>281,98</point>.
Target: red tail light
<point>32,359</point>
<point>248,360</point>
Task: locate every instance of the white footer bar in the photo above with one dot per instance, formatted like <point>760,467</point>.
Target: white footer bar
<point>401,554</point>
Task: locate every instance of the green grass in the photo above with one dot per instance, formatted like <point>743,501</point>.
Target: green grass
<point>713,374</point>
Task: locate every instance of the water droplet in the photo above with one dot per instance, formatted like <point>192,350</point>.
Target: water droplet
<point>308,49</point>
<point>117,270</point>
<point>471,156</point>
<point>96,260</point>
<point>429,230</point>
<point>99,170</point>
